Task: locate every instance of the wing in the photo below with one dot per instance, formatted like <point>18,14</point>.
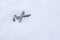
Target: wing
<point>20,19</point>
<point>23,13</point>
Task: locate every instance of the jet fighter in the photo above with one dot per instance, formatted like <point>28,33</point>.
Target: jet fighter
<point>20,17</point>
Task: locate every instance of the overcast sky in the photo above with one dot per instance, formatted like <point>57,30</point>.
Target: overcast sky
<point>43,24</point>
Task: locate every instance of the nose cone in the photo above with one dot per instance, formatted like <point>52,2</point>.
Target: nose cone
<point>13,19</point>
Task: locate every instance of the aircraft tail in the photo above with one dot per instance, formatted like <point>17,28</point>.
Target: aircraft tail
<point>27,15</point>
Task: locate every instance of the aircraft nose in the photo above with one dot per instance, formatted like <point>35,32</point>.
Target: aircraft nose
<point>13,19</point>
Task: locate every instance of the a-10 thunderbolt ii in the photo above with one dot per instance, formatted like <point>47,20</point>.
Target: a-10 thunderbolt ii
<point>20,17</point>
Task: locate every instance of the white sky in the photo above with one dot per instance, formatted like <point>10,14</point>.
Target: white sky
<point>44,23</point>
